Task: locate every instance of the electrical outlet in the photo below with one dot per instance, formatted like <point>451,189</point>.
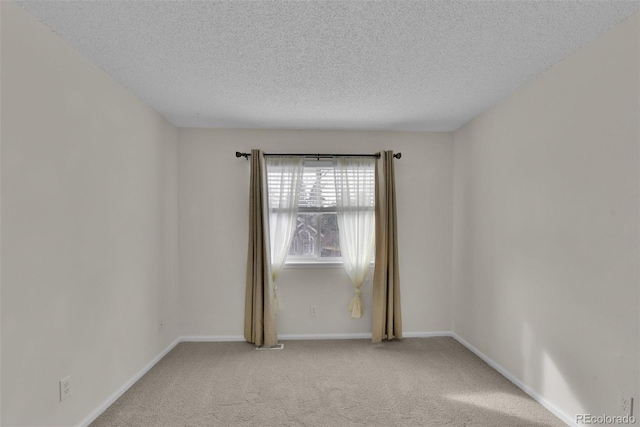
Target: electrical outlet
<point>625,403</point>
<point>313,310</point>
<point>65,388</point>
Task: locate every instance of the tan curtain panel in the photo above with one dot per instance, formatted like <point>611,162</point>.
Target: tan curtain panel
<point>259,315</point>
<point>387,316</point>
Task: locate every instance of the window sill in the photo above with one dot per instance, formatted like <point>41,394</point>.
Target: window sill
<point>310,264</point>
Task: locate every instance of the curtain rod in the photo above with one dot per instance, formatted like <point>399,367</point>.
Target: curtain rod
<point>317,156</point>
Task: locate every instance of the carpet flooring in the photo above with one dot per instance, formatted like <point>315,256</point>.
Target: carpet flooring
<point>412,382</point>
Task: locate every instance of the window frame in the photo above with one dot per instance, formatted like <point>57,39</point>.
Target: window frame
<point>301,261</point>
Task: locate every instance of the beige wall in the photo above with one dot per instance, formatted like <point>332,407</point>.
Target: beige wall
<point>89,221</point>
<point>546,210</point>
<point>0,221</point>
<point>213,206</point>
<point>540,194</point>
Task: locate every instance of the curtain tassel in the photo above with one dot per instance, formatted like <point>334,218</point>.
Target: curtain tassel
<point>276,300</point>
<point>355,306</point>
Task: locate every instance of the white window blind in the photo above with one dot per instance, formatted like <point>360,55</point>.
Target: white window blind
<point>318,190</point>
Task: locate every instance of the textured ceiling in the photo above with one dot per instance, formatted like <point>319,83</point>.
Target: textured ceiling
<point>396,65</point>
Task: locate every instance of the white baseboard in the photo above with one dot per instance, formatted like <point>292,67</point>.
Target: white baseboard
<point>212,338</point>
<point>99,410</point>
<point>281,337</point>
<point>426,334</point>
<point>289,337</point>
<point>357,336</point>
<point>350,336</point>
<point>535,396</point>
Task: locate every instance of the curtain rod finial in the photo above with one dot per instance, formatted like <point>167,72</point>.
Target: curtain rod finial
<point>398,155</point>
<point>245,155</point>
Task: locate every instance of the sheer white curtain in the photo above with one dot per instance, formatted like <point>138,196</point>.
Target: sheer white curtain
<point>355,204</point>
<point>284,177</point>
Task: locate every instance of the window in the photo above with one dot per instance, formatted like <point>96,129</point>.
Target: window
<point>316,238</point>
